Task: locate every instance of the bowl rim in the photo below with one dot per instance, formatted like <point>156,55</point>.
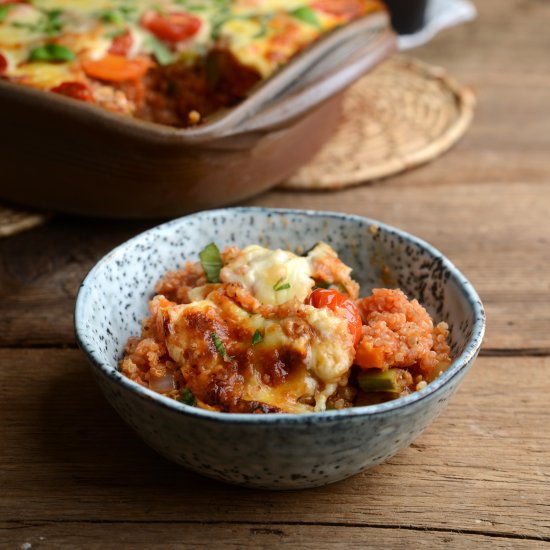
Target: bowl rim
<point>458,364</point>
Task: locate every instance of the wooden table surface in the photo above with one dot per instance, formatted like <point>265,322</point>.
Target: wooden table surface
<point>73,474</point>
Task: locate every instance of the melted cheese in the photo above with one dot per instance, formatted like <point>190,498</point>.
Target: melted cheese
<point>317,356</point>
<point>271,276</point>
<point>261,34</point>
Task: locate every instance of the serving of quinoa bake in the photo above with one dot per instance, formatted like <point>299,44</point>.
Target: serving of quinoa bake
<point>263,331</point>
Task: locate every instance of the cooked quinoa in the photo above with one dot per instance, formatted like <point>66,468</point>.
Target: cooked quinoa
<point>258,330</point>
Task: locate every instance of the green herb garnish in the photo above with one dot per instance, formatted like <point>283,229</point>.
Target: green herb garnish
<point>279,285</point>
<point>219,346</point>
<point>53,24</point>
<point>187,397</point>
<point>111,16</point>
<point>307,15</point>
<point>211,261</point>
<point>257,338</point>
<point>4,9</point>
<point>164,56</point>
<point>50,53</point>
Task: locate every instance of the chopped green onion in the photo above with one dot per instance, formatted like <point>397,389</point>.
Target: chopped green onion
<point>187,397</point>
<point>51,53</point>
<point>279,285</point>
<point>392,380</point>
<point>162,54</point>
<point>307,15</point>
<point>257,338</point>
<point>219,346</point>
<point>211,261</point>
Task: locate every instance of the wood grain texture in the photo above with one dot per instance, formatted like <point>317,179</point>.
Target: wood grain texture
<point>232,536</point>
<point>67,457</point>
<point>73,475</point>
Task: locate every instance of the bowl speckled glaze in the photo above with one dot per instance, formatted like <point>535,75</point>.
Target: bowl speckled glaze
<point>278,451</point>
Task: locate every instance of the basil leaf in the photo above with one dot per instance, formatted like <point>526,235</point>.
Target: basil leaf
<point>50,53</point>
<point>4,9</point>
<point>111,16</point>
<point>211,261</point>
<point>279,285</point>
<point>187,397</point>
<point>307,15</point>
<point>257,338</point>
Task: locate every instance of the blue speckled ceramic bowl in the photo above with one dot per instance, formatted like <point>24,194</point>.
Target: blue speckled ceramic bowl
<point>278,451</point>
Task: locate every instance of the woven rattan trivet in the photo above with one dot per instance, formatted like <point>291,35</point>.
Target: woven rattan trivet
<point>403,114</point>
<point>13,220</point>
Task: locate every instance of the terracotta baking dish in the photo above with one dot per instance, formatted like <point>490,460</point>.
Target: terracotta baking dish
<point>68,156</point>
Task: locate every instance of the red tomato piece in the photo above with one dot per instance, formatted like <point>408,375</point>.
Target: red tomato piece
<point>3,63</point>
<point>347,9</point>
<point>171,27</point>
<point>76,90</point>
<point>121,44</point>
<point>342,305</point>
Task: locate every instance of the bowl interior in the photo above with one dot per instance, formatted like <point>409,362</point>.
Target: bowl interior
<point>115,294</point>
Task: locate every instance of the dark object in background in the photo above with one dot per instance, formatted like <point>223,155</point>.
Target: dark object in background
<point>407,16</point>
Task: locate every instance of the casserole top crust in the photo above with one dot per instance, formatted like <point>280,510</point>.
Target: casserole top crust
<point>167,61</point>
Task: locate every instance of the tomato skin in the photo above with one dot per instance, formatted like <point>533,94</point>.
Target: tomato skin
<point>342,305</point>
<point>76,90</point>
<point>171,27</point>
<point>121,44</point>
<point>116,68</point>
<point>3,63</point>
<point>347,9</point>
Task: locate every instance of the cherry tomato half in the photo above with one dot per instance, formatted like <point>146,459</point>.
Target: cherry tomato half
<point>348,9</point>
<point>171,27</point>
<point>121,44</point>
<point>76,90</point>
<point>340,304</point>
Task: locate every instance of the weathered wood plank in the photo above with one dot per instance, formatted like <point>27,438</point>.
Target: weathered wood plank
<point>66,456</point>
<point>507,37</point>
<point>237,536</point>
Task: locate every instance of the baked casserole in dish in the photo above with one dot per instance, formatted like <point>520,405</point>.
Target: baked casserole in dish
<point>148,108</point>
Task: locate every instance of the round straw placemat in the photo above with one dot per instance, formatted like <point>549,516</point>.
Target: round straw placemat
<point>13,220</point>
<point>403,114</point>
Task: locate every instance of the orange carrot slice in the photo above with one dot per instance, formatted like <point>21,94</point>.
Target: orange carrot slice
<point>116,68</point>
